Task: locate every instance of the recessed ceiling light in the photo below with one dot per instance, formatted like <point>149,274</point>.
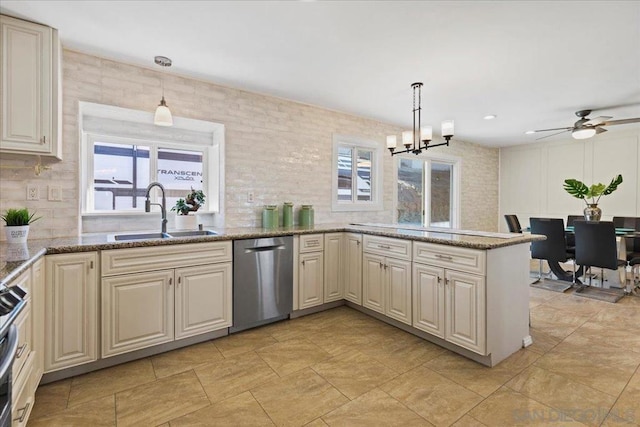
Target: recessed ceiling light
<point>490,117</point>
<point>530,132</point>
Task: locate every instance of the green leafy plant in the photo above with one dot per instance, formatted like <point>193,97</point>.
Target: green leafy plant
<point>579,190</point>
<point>18,217</point>
<point>190,203</point>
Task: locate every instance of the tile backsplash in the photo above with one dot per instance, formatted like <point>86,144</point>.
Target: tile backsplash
<point>277,149</point>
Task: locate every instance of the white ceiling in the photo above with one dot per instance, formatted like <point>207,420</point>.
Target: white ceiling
<point>531,63</point>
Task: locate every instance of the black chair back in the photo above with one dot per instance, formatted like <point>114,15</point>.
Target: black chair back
<point>596,244</point>
<point>513,223</point>
<point>571,219</point>
<point>632,243</point>
<point>555,247</point>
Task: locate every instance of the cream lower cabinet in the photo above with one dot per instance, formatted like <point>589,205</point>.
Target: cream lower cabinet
<point>447,302</point>
<point>71,310</point>
<point>141,309</point>
<point>310,271</point>
<point>333,267</point>
<point>386,281</point>
<point>352,267</point>
<point>37,324</point>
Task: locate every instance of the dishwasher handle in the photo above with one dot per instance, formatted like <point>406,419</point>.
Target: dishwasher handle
<point>264,249</point>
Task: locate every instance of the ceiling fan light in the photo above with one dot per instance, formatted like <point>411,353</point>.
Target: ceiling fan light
<point>163,115</point>
<point>583,133</point>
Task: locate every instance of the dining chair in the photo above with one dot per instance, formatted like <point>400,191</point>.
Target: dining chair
<point>596,246</point>
<point>513,223</point>
<point>571,240</point>
<point>554,248</point>
<point>632,243</point>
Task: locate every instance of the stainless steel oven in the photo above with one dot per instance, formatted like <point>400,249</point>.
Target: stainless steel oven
<point>8,349</point>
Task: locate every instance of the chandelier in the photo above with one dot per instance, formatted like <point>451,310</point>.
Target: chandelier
<point>419,139</point>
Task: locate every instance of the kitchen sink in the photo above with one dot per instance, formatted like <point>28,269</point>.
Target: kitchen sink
<point>140,236</point>
<point>192,233</point>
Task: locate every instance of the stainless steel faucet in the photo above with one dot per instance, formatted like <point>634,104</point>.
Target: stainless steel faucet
<point>163,206</point>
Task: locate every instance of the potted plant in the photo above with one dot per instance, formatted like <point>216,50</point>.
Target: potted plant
<point>17,224</point>
<point>591,195</point>
<point>191,203</point>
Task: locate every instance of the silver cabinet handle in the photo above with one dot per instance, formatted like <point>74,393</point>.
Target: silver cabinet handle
<point>358,242</point>
<point>447,257</point>
<point>170,281</point>
<point>21,350</point>
<point>91,265</point>
<point>303,263</point>
<point>179,279</point>
<point>43,140</point>
<point>384,246</point>
<point>23,412</point>
<point>313,243</point>
<point>439,279</point>
<point>385,266</point>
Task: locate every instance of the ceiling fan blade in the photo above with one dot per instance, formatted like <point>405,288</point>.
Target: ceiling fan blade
<point>553,134</point>
<point>621,122</point>
<point>596,121</point>
<point>549,130</point>
<point>600,130</point>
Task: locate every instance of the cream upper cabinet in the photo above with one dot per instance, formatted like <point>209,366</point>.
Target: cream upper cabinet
<point>465,310</point>
<point>203,299</point>
<point>428,299</point>
<point>71,310</point>
<point>333,271</point>
<point>310,279</point>
<point>30,80</point>
<point>352,267</point>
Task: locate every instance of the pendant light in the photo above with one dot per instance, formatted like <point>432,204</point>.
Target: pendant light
<point>419,139</point>
<point>163,114</point>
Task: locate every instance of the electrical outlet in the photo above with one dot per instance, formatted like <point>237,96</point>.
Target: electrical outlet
<point>250,197</point>
<point>33,192</point>
<point>54,193</point>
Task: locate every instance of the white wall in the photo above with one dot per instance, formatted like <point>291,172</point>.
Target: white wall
<point>532,176</point>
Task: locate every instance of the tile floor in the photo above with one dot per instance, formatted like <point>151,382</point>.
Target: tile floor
<point>341,367</point>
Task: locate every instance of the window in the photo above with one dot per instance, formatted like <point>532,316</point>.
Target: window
<point>428,192</point>
<point>357,181</point>
<point>122,157</point>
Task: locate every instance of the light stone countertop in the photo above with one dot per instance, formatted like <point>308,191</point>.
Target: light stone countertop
<point>14,259</point>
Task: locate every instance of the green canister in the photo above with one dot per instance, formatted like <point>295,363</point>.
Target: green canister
<point>287,214</point>
<point>306,216</point>
<point>270,216</point>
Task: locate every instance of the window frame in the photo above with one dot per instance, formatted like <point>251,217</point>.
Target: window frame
<point>355,144</point>
<point>427,159</point>
<point>212,152</point>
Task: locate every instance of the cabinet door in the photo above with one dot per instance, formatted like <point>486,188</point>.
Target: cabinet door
<point>37,312</point>
<point>203,299</point>
<point>137,311</point>
<point>333,259</point>
<point>26,86</point>
<point>311,279</point>
<point>373,282</point>
<point>398,289</point>
<point>71,310</point>
<point>352,265</point>
<point>465,310</point>
<point>428,299</point>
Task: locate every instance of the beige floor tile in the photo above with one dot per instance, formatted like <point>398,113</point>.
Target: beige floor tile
<point>592,365</point>
<point>298,398</point>
<point>617,339</point>
<point>556,322</point>
<point>110,380</point>
<point>316,423</point>
<point>292,355</point>
<point>436,398</point>
<point>353,373</point>
<point>614,421</point>
<point>570,397</point>
<point>627,406</point>
<point>468,421</point>
<point>51,398</point>
<point>375,408</point>
<point>542,342</point>
<point>96,413</point>
<point>339,339</point>
<point>621,317</point>
<point>478,378</point>
<point>243,342</point>
<point>402,354</point>
<point>233,376</point>
<point>160,401</point>
<point>240,410</point>
<point>578,305</point>
<point>185,359</point>
<point>539,296</point>
<point>505,407</point>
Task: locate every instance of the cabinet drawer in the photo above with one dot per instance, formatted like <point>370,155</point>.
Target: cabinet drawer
<point>134,260</point>
<point>311,243</point>
<point>455,258</point>
<point>23,323</point>
<point>385,246</point>
<point>23,395</point>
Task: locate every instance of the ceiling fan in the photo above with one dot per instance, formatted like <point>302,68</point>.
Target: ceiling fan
<point>585,127</point>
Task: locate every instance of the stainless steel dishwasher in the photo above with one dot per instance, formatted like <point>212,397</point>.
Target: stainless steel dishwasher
<point>262,281</point>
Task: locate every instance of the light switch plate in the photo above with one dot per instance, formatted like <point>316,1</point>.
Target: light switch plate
<point>33,192</point>
<point>250,197</point>
<point>54,193</point>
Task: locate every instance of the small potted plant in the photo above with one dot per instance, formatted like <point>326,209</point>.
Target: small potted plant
<point>17,224</point>
<point>191,203</point>
<point>580,190</point>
